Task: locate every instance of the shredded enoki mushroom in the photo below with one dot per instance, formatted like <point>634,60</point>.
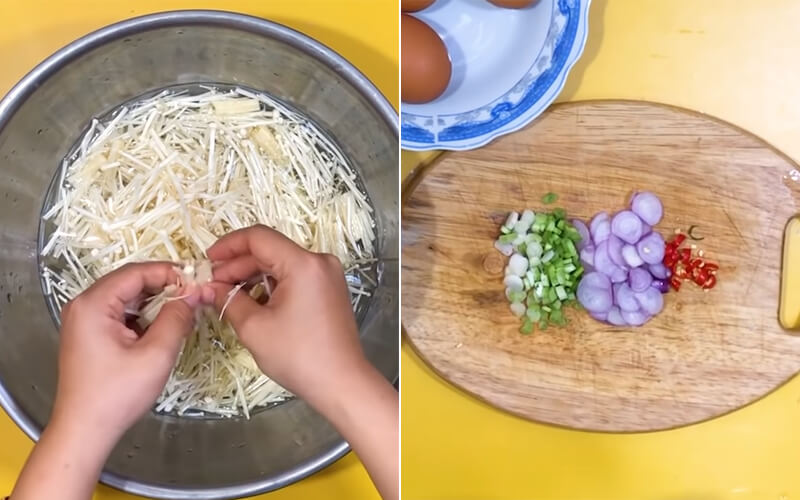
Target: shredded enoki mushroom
<point>164,178</point>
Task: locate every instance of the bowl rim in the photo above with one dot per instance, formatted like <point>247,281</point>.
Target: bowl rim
<point>573,52</point>
<point>20,92</point>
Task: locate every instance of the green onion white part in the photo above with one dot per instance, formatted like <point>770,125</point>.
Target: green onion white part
<point>544,267</point>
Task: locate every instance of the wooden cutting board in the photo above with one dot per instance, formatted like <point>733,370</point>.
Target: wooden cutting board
<point>706,354</point>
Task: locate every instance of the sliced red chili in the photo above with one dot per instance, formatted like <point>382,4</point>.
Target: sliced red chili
<point>709,284</point>
<point>683,265</point>
<point>695,264</point>
<point>702,277</point>
<point>686,255</point>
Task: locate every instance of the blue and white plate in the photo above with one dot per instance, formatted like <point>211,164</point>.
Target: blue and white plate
<point>508,66</point>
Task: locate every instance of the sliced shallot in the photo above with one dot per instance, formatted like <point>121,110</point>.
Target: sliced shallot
<point>586,237</point>
<point>631,256</point>
<point>647,206</point>
<point>626,299</point>
<point>635,318</point>
<point>600,227</point>
<point>651,248</point>
<point>650,300</point>
<point>639,279</point>
<point>627,225</point>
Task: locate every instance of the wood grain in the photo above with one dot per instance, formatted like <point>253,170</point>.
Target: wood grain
<point>706,354</point>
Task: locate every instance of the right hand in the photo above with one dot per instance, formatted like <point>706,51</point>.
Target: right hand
<point>305,337</point>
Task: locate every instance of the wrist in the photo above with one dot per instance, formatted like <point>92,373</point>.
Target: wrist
<point>66,462</point>
<point>68,445</point>
<point>91,437</point>
<point>358,386</point>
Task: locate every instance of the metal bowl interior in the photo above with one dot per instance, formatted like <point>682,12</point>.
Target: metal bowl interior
<point>41,118</point>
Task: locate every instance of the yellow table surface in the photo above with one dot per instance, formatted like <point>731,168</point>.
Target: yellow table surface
<point>732,59</point>
<point>363,31</point>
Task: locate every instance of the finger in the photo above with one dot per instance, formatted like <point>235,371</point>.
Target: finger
<point>237,269</point>
<point>173,323</point>
<point>207,295</point>
<point>236,309</point>
<point>126,283</point>
<point>233,244</point>
<point>274,252</point>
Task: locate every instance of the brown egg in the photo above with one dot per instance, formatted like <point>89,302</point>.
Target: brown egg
<point>415,5</point>
<point>513,4</point>
<point>425,67</point>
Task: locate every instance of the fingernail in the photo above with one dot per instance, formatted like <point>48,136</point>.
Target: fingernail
<point>192,295</point>
<point>207,294</point>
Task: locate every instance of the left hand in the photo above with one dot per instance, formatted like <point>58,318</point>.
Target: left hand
<point>108,375</point>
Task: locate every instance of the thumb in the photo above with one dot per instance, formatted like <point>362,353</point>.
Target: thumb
<point>237,308</point>
<point>174,322</point>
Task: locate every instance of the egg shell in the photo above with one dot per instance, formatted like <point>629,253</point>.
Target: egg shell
<point>415,5</point>
<point>425,66</point>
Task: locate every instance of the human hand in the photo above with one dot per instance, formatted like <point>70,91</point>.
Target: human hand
<point>305,337</point>
<point>108,375</point>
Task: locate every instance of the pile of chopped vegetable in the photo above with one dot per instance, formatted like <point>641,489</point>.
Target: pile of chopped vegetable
<point>628,265</point>
<point>624,254</point>
<point>165,177</point>
<point>544,266</point>
<point>685,266</point>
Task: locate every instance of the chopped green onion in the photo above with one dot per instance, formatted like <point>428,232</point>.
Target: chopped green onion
<point>534,237</point>
<point>547,242</point>
<point>571,250</point>
<point>527,327</point>
<point>573,234</point>
<point>549,198</point>
<point>508,238</point>
<point>534,249</point>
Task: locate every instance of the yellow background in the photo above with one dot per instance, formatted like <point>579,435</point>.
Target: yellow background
<point>363,31</point>
<point>734,59</point>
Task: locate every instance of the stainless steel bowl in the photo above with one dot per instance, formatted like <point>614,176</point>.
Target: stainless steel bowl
<point>40,119</point>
